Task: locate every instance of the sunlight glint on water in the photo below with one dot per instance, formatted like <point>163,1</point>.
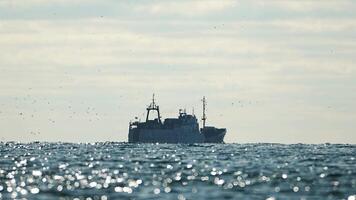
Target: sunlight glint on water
<point>161,171</point>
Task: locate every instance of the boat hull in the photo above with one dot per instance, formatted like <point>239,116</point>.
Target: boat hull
<point>179,135</point>
<point>213,135</point>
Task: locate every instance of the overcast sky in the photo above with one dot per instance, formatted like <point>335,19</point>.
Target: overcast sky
<point>272,71</point>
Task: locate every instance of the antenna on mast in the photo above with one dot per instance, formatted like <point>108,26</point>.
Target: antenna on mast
<point>204,115</point>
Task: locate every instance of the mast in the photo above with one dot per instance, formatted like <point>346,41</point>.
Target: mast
<point>204,115</point>
<point>155,107</point>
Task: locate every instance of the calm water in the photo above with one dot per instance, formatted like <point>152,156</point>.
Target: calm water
<point>150,171</point>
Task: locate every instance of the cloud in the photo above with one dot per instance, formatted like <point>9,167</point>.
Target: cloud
<point>305,5</point>
<point>186,8</point>
<point>29,3</point>
<point>107,54</point>
<point>46,44</point>
<point>316,25</point>
<point>111,34</point>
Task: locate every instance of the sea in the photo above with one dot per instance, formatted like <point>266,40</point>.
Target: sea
<point>113,170</point>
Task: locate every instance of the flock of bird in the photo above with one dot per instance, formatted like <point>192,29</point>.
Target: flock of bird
<point>30,108</point>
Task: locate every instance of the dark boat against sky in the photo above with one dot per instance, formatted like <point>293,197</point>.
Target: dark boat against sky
<point>184,129</point>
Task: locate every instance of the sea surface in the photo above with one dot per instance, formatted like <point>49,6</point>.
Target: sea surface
<point>166,171</point>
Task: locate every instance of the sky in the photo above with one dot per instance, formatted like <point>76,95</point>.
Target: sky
<point>272,71</point>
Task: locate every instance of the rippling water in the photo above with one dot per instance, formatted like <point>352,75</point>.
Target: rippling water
<point>162,171</point>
